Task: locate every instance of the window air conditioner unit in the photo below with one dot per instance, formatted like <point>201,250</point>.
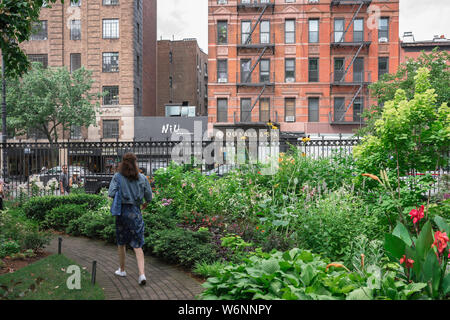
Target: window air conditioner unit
<point>383,40</point>
<point>222,80</point>
<point>290,119</point>
<point>290,80</point>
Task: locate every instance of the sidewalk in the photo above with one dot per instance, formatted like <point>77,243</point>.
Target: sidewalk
<point>164,282</point>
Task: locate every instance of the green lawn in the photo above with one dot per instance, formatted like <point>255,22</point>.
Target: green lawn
<point>49,277</point>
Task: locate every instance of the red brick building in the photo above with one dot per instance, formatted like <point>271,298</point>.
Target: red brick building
<point>412,49</point>
<point>182,76</point>
<point>116,39</point>
<point>305,64</point>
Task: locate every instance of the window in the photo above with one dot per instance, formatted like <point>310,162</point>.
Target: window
<point>289,112</point>
<point>222,32</point>
<point>222,71</point>
<point>39,30</point>
<point>289,31</point>
<point>313,74</point>
<point>358,30</point>
<point>339,109</point>
<point>264,32</point>
<point>289,70</point>
<point>246,112</point>
<point>110,129</point>
<point>75,3</point>
<point>246,27</point>
<point>110,62</point>
<point>75,133</point>
<point>222,1</point>
<point>75,61</point>
<point>383,30</point>
<point>264,70</point>
<point>138,32</point>
<point>180,111</point>
<point>41,58</point>
<point>111,29</point>
<point>383,66</point>
<point>112,95</point>
<point>264,110</point>
<point>358,109</point>
<point>313,109</point>
<point>37,134</point>
<point>75,30</point>
<point>339,30</point>
<point>313,30</point>
<point>110,2</point>
<point>170,57</point>
<point>339,69</point>
<point>137,97</point>
<point>171,82</point>
<point>245,70</point>
<point>358,70</point>
<point>222,110</point>
<point>138,64</point>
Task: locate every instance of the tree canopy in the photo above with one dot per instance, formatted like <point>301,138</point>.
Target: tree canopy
<point>16,25</point>
<point>438,64</point>
<point>48,100</point>
<point>411,133</point>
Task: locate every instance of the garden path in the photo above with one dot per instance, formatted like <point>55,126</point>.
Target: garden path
<point>164,282</point>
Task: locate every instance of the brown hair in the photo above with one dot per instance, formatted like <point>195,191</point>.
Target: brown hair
<point>128,167</point>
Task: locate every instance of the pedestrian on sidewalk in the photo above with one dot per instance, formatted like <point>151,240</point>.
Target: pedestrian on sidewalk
<point>64,181</point>
<point>134,188</point>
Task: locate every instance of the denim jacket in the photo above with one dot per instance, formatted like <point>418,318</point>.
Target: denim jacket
<point>133,192</point>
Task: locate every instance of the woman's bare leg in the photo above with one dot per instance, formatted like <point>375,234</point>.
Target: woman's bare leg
<point>122,253</point>
<point>140,260</point>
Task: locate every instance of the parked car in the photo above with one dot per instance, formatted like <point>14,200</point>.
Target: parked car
<point>221,170</point>
<point>54,173</point>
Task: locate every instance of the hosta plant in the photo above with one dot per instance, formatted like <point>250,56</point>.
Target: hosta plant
<point>301,275</point>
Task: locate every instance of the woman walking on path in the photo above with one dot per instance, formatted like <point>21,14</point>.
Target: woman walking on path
<point>130,225</point>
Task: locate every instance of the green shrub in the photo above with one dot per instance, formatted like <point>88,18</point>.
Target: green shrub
<point>35,240</point>
<point>8,248</point>
<point>179,246</point>
<point>37,208</point>
<point>59,217</point>
<point>330,225</point>
<point>206,270</point>
<point>92,224</point>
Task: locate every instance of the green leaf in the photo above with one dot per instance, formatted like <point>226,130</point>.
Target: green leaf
<point>446,284</point>
<point>307,275</point>
<point>424,241</point>
<point>361,294</point>
<point>394,246</point>
<point>401,232</point>
<point>442,224</point>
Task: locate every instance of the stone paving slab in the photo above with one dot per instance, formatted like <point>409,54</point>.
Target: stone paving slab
<point>164,282</point>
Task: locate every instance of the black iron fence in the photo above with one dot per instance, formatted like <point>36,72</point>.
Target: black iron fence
<point>36,168</point>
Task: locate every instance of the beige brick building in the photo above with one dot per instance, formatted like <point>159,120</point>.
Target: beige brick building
<point>116,40</point>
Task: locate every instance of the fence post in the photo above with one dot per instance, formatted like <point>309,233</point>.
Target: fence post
<point>59,245</point>
<point>94,272</point>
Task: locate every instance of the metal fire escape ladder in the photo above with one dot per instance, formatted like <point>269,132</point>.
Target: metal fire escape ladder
<point>351,103</point>
<point>353,19</point>
<point>257,99</point>
<point>351,63</point>
<point>254,66</point>
<point>249,38</point>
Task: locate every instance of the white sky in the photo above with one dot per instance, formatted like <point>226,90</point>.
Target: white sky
<point>189,19</point>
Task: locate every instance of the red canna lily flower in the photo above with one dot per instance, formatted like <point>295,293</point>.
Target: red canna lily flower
<point>408,262</point>
<point>417,214</point>
<point>440,241</point>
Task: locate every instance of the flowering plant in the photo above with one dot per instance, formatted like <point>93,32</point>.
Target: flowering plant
<point>424,258</point>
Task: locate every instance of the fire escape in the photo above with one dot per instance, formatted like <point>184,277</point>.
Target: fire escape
<point>250,47</point>
<point>352,53</point>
